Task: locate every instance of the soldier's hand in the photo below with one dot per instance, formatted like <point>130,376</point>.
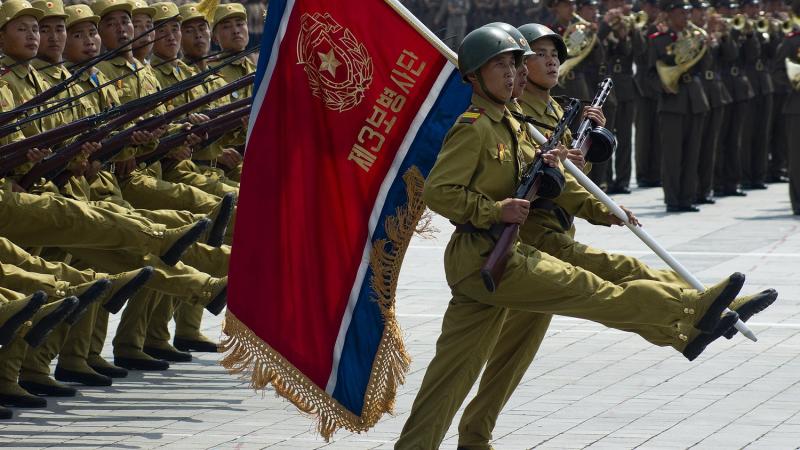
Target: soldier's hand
<point>142,137</point>
<point>514,210</point>
<point>576,156</point>
<point>181,153</point>
<point>595,114</point>
<point>230,158</point>
<point>123,169</point>
<point>194,139</point>
<point>35,155</point>
<point>92,171</point>
<point>197,118</point>
<point>160,131</point>
<point>631,218</point>
<point>90,147</point>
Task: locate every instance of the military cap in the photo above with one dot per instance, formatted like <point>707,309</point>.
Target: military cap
<point>228,10</point>
<point>51,8</point>
<point>103,7</point>
<point>731,4</point>
<point>751,2</point>
<point>796,7</point>
<point>700,4</point>
<point>515,34</point>
<point>80,13</point>
<point>535,31</point>
<point>669,5</point>
<point>482,44</point>
<point>552,3</point>
<point>166,11</point>
<point>141,7</point>
<point>189,12</point>
<point>11,9</point>
<point>581,3</point>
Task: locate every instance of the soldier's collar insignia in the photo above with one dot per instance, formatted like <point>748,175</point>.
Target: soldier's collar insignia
<point>471,115</point>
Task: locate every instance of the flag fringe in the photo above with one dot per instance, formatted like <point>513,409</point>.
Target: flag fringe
<point>248,355</point>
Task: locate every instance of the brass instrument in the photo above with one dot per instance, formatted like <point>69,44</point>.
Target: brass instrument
<point>763,25</point>
<point>688,49</point>
<point>580,39</point>
<point>793,72</point>
<point>637,20</point>
<point>737,22</point>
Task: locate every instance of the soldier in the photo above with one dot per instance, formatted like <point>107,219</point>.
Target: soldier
<point>755,144</point>
<point>778,151</point>
<point>790,49</point>
<point>453,14</point>
<point>522,332</point>
<point>648,141</point>
<point>680,114</point>
<point>707,69</point>
<point>142,18</point>
<point>483,12</point>
<point>728,170</point>
<point>471,183</point>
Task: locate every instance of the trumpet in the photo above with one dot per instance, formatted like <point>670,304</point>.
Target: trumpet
<point>738,22</point>
<point>793,72</point>
<point>637,20</point>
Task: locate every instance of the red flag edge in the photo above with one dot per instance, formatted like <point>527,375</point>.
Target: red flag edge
<point>247,354</point>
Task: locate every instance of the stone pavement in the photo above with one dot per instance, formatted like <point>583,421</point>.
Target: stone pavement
<point>589,387</point>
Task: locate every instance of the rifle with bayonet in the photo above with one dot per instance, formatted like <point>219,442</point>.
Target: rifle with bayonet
<point>597,143</point>
<point>538,180</point>
<point>53,165</point>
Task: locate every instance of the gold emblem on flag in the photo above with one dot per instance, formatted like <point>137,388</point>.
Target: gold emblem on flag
<point>338,67</point>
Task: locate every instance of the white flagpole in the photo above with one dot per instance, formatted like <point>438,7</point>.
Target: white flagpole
<point>640,232</point>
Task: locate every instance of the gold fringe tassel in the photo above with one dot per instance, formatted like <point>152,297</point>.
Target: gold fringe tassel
<point>247,354</point>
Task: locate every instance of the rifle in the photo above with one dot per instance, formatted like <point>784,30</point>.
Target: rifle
<point>53,165</point>
<point>215,128</point>
<point>537,181</point>
<point>596,143</point>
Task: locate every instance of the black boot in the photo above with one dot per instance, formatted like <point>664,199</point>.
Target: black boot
<point>174,253</point>
<point>698,344</point>
<point>41,329</point>
<point>217,304</point>
<point>85,378</point>
<point>127,290</point>
<point>85,300</point>
<point>217,234</point>
<point>9,329</point>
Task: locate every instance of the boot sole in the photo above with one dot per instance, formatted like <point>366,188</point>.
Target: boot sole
<point>708,323</point>
<point>761,302</point>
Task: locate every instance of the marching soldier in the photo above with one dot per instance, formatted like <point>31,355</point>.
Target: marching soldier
<point>778,150</point>
<point>648,140</point>
<point>707,70</point>
<point>682,106</point>
<point>471,183</point>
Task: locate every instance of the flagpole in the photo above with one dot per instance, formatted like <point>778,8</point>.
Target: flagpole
<point>429,35</point>
<point>639,231</point>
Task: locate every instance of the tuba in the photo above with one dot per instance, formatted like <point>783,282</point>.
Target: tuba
<point>580,39</point>
<point>793,72</point>
<point>688,49</point>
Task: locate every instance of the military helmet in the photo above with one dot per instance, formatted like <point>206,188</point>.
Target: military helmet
<point>483,44</point>
<point>534,31</point>
<point>515,34</point>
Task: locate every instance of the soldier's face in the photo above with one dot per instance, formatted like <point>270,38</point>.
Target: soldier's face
<point>498,77</point>
<point>116,29</point>
<point>699,17</point>
<point>83,42</point>
<point>678,18</point>
<point>563,11</point>
<point>141,24</point>
<point>168,40</point>
<point>53,32</point>
<point>520,79</point>
<point>20,38</point>
<point>231,34</point>
<point>543,66</point>
<point>588,12</point>
<point>196,41</point>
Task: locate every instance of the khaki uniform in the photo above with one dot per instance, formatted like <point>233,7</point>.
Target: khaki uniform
<point>478,167</point>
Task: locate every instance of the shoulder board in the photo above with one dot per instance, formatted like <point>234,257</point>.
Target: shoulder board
<point>655,35</point>
<point>793,34</point>
<point>471,115</point>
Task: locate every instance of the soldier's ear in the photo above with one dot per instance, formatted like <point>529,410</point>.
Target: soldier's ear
<point>472,78</point>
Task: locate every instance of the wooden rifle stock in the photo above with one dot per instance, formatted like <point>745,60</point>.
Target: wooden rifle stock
<point>495,265</point>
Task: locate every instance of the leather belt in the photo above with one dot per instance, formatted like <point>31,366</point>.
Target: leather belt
<point>759,66</point>
<point>617,68</point>
<point>686,78</point>
<point>206,162</point>
<point>564,219</point>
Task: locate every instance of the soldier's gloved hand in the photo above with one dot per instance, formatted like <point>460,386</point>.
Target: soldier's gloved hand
<point>197,118</point>
<point>514,210</point>
<point>230,158</point>
<point>614,220</point>
<point>123,169</point>
<point>576,156</point>
<point>35,155</point>
<point>595,114</point>
<point>142,137</point>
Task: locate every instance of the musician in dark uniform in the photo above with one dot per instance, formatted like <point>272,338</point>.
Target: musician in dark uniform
<point>648,154</point>
<point>681,108</point>
<point>790,48</point>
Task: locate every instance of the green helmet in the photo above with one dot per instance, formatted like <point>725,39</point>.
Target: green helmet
<point>483,44</point>
<point>535,31</point>
<point>523,43</point>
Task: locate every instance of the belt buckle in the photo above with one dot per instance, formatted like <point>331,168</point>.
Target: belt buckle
<point>735,71</point>
<point>709,74</point>
<point>617,68</point>
<point>686,78</point>
<point>112,167</point>
<point>213,164</point>
<point>602,70</point>
<point>759,66</point>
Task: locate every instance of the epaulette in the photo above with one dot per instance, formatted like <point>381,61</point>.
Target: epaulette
<point>655,35</point>
<point>471,115</point>
<point>793,34</point>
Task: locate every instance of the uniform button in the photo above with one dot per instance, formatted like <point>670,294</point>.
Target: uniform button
<point>691,311</point>
<point>683,337</point>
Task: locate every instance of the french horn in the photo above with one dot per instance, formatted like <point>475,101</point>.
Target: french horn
<point>688,49</point>
<point>580,39</point>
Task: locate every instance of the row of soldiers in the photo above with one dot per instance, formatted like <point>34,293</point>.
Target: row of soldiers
<point>705,88</point>
<point>121,155</point>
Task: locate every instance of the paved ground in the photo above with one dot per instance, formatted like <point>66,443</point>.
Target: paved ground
<point>589,386</point>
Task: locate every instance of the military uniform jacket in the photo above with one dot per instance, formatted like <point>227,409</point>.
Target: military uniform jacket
<point>789,48</point>
<point>779,81</point>
<point>172,73</point>
<point>105,97</point>
<point>707,70</point>
<point>690,99</point>
<point>645,74</point>
<point>479,165</point>
<point>55,74</point>
<point>574,199</point>
<point>212,83</point>
<point>754,53</point>
<point>733,74</point>
<point>25,82</point>
<point>620,65</point>
<point>238,69</point>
